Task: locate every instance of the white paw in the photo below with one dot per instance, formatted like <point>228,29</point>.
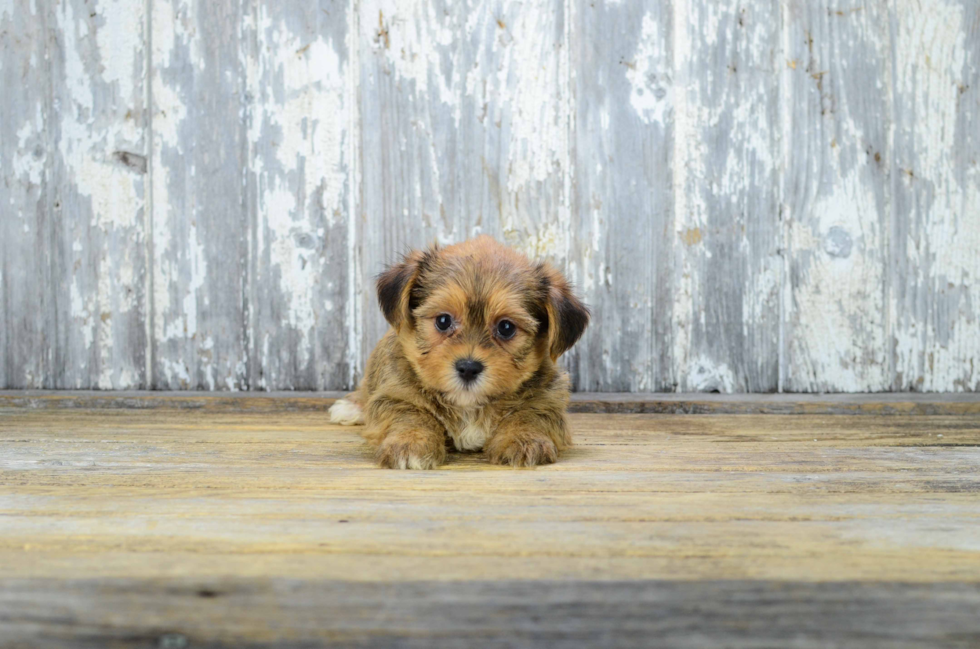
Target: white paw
<point>346,413</point>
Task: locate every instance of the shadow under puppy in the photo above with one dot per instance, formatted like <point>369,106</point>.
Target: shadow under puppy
<point>476,329</point>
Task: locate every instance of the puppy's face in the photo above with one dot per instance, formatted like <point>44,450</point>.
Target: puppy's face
<point>477,319</point>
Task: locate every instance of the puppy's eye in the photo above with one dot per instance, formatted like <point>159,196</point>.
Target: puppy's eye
<point>506,329</point>
<point>444,321</point>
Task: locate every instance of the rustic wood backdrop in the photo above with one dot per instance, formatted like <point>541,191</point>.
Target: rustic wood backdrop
<point>754,196</point>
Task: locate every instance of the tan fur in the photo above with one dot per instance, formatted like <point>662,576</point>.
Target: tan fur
<point>412,398</point>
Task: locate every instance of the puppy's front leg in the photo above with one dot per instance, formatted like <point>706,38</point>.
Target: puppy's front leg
<point>406,437</point>
<point>529,439</point>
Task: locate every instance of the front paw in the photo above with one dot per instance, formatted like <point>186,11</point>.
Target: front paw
<point>522,450</point>
<point>412,449</point>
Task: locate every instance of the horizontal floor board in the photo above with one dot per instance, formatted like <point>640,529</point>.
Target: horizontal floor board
<point>303,613</point>
<point>897,403</point>
<point>105,512</point>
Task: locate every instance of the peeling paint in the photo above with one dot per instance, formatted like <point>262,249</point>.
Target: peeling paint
<point>731,185</point>
<point>650,88</point>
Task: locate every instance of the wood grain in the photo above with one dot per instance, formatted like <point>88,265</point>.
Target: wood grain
<point>25,145</point>
<point>908,404</point>
<point>298,194</point>
<point>200,225</point>
<point>259,529</point>
<point>754,196</point>
<point>741,613</point>
<point>75,138</point>
<point>725,239</point>
<point>936,206</point>
<point>621,251</point>
<point>836,85</point>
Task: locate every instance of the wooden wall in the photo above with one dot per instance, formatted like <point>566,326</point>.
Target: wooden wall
<point>754,196</point>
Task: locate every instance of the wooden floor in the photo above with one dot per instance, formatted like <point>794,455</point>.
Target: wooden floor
<point>270,527</point>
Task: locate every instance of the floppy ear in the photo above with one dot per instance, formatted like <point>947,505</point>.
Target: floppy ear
<point>567,316</point>
<point>395,286</point>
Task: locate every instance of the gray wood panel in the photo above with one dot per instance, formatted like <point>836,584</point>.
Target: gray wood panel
<point>24,209</point>
<point>726,230</point>
<point>74,264</point>
<point>200,225</point>
<point>98,195</point>
<point>835,197</point>
<point>755,196</point>
<point>295,613</point>
<point>298,194</point>
<point>934,287</point>
<point>622,249</point>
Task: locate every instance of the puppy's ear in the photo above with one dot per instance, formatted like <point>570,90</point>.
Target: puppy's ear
<point>567,316</point>
<point>395,286</point>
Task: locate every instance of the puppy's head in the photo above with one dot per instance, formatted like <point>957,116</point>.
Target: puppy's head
<point>477,319</point>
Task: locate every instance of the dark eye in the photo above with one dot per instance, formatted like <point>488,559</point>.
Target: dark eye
<point>444,321</point>
<point>506,329</point>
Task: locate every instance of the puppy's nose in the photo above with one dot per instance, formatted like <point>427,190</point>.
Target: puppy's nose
<point>468,369</point>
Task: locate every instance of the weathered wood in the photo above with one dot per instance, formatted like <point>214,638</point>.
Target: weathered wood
<point>283,613</point>
<point>934,287</point>
<point>464,130</point>
<point>237,528</point>
<point>725,317</point>
<point>621,255</point>
<point>201,230</point>
<point>98,192</point>
<point>908,404</point>
<point>753,196</point>
<point>836,110</point>
<point>74,267</point>
<point>299,134</point>
<point>25,146</point>
<point>639,497</point>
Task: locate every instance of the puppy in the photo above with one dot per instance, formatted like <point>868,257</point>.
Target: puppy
<point>476,329</point>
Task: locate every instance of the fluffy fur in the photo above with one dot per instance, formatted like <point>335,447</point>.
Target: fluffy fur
<point>414,399</point>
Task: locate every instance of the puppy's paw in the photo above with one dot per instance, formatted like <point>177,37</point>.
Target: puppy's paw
<point>412,449</point>
<point>527,449</point>
<point>346,413</point>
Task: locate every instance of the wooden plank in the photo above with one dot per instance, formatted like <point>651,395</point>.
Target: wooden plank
<point>935,220</point>
<point>299,194</point>
<point>103,493</point>
<point>464,121</point>
<point>726,234</point>
<point>24,196</point>
<point>98,171</point>
<point>622,202</point>
<point>73,269</point>
<point>836,121</point>
<point>281,613</point>
<point>909,404</point>
<point>200,223</point>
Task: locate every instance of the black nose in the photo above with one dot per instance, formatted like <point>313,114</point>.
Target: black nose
<point>468,369</point>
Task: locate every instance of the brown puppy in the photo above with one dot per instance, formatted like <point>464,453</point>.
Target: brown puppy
<point>476,329</point>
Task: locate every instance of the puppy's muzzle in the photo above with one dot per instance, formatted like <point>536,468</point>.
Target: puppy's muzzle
<point>468,369</point>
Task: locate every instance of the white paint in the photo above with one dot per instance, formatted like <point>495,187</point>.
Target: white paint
<point>120,40</point>
<point>520,74</point>
<point>704,375</point>
<point>651,91</point>
<point>299,111</point>
<point>26,164</point>
<point>839,333</point>
<point>939,349</point>
<point>88,139</point>
<point>346,413</point>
